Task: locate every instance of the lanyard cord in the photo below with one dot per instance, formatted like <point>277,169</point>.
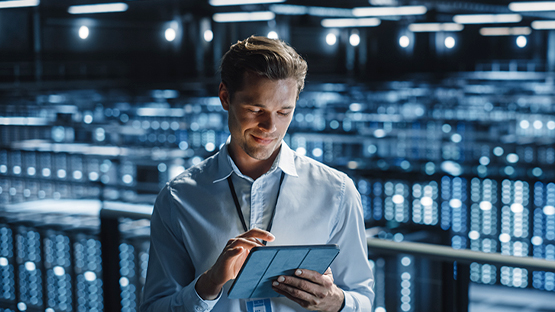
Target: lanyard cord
<point>238,206</point>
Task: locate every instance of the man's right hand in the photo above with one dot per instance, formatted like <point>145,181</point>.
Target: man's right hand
<point>230,262</point>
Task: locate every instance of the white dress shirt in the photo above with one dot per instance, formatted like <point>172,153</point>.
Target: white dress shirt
<point>194,216</point>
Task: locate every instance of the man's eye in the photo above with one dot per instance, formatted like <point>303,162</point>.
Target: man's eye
<point>256,111</point>
<point>284,114</point>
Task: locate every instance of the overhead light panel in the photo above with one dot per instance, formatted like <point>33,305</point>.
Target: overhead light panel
<point>98,8</point>
<point>241,2</point>
<point>539,25</point>
<point>350,22</point>
<point>533,6</point>
<point>435,27</point>
<point>391,11</point>
<point>243,17</point>
<point>505,31</point>
<point>18,4</point>
<point>288,9</point>
<point>487,18</point>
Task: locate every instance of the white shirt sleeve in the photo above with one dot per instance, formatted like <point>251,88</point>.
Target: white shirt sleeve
<point>351,267</point>
<point>170,282</point>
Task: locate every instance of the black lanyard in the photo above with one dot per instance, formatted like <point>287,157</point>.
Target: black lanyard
<point>240,212</point>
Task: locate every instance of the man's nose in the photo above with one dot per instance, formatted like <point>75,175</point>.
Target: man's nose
<point>267,123</point>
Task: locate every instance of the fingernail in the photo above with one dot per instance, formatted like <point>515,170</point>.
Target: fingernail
<point>275,283</point>
<point>281,279</point>
<point>272,235</point>
<point>298,272</point>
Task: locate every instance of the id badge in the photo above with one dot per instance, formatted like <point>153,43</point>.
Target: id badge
<point>259,305</point>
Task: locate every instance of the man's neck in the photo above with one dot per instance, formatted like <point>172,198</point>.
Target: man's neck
<point>251,167</point>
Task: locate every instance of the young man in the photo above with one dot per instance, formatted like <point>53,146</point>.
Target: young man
<point>256,188</point>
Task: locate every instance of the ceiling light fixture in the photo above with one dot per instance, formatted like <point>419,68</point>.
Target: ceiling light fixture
<point>449,42</point>
<point>288,9</point>
<point>98,8</point>
<point>350,22</point>
<point>404,41</point>
<point>272,35</point>
<point>533,6</point>
<point>521,41</point>
<point>505,31</point>
<point>243,17</point>
<point>487,18</point>
<point>241,2</point>
<point>391,11</point>
<point>539,25</point>
<point>354,39</point>
<point>18,4</point>
<point>435,27</point>
<point>83,32</point>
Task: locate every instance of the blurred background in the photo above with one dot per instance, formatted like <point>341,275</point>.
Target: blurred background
<point>442,112</point>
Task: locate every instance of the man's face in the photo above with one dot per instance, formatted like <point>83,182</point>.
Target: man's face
<point>259,114</point>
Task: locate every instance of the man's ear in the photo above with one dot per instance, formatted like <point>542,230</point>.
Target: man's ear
<point>223,93</point>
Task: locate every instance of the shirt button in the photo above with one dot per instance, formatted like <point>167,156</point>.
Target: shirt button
<point>199,309</point>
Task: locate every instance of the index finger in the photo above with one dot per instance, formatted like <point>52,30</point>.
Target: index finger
<point>258,233</point>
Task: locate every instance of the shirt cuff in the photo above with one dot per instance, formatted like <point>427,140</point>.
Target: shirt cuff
<point>200,305</point>
<point>351,305</point>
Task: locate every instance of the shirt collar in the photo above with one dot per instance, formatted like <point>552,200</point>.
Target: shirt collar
<point>284,161</point>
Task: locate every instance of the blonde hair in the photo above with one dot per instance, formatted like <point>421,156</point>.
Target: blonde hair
<point>270,58</point>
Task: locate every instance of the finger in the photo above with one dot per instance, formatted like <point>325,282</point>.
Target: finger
<point>232,252</point>
<point>306,286</point>
<point>258,233</point>
<point>300,302</point>
<point>310,275</point>
<point>246,243</point>
<point>293,292</point>
<point>329,274</point>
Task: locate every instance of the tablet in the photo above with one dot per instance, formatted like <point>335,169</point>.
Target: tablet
<point>265,264</point>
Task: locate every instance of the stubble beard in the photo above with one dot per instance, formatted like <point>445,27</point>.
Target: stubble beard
<point>259,153</point>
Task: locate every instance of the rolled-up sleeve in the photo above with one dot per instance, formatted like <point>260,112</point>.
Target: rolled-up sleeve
<point>351,269</point>
<point>170,281</point>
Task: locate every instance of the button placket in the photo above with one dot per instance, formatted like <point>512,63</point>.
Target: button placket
<point>254,204</point>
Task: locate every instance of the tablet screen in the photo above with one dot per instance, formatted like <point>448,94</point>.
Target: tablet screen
<point>265,264</point>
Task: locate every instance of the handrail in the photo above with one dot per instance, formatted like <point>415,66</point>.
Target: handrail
<point>444,253</point>
<point>114,210</point>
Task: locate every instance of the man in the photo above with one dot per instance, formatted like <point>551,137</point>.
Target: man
<point>256,185</point>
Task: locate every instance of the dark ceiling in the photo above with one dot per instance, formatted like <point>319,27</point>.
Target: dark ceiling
<point>42,43</point>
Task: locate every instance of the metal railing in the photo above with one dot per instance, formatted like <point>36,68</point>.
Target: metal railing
<point>445,253</point>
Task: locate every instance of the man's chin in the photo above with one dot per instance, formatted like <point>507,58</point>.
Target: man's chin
<point>260,154</point>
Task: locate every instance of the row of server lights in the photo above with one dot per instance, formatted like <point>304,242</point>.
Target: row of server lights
<point>55,263</point>
<point>337,134</point>
<point>481,213</point>
<point>52,267</point>
<point>59,172</point>
<point>53,270</point>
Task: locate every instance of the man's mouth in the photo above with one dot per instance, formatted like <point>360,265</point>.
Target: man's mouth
<point>263,141</point>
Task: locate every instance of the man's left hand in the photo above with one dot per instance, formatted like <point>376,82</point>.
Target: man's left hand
<point>311,290</point>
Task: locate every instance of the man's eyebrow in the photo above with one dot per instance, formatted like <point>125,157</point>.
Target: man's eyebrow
<point>264,106</point>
